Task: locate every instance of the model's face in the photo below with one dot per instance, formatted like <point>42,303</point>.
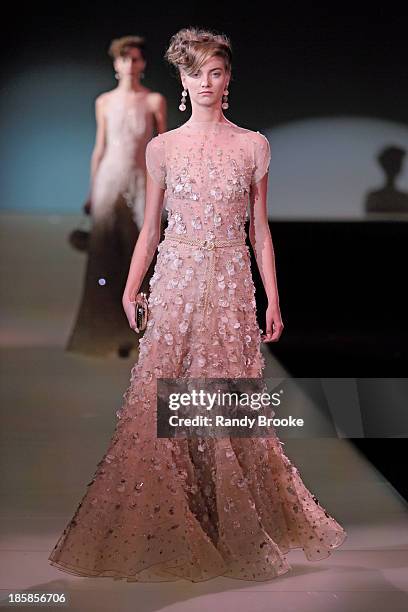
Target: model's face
<point>206,86</point>
<point>132,64</point>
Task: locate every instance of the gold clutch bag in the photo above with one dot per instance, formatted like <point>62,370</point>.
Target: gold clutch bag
<point>141,310</point>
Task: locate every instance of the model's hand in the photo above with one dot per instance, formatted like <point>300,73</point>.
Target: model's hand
<point>274,325</point>
<point>87,207</point>
<point>130,311</point>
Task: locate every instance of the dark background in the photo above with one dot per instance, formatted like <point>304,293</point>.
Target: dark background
<point>285,67</point>
<point>341,285</point>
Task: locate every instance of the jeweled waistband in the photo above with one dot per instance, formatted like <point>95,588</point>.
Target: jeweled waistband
<point>206,243</point>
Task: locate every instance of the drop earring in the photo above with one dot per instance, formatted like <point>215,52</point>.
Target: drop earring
<point>142,74</point>
<point>182,106</point>
<point>225,104</point>
<point>117,76</point>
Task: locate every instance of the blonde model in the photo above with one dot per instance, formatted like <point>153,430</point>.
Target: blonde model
<point>196,508</point>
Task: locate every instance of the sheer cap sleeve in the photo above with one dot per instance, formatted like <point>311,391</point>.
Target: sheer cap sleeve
<point>155,161</point>
<point>262,157</point>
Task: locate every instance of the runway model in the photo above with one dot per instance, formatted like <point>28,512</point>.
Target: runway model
<point>127,118</point>
<point>163,509</point>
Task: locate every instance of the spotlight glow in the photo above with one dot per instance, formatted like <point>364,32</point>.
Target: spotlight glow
<point>324,168</point>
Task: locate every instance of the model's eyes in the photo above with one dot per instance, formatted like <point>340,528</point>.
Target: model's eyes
<point>197,74</point>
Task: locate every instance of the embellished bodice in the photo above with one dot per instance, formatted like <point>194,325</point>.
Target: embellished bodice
<point>207,170</point>
<point>129,127</point>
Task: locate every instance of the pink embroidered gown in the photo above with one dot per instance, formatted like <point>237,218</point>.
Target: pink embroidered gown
<point>161,509</point>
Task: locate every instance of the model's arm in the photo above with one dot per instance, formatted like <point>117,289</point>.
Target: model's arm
<point>145,248</point>
<point>158,106</point>
<point>261,241</point>
<point>99,147</point>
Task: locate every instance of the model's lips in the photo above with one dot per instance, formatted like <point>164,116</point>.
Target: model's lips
<point>204,93</point>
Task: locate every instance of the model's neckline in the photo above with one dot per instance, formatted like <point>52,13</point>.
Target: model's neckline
<point>207,124</point>
<point>129,92</point>
<point>224,120</point>
<point>202,121</point>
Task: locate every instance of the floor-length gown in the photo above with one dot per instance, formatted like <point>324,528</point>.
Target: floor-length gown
<point>118,200</point>
<point>161,509</point>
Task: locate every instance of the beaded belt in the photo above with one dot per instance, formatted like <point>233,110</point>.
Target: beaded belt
<point>208,245</point>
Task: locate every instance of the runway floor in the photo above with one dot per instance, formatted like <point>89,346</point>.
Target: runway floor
<point>58,413</point>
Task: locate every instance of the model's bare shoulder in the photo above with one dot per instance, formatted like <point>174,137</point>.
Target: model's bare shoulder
<point>103,99</point>
<point>156,100</point>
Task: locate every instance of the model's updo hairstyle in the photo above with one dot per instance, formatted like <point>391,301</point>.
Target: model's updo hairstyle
<point>191,47</point>
<point>120,47</point>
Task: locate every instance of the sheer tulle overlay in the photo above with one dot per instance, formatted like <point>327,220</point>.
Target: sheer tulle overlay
<point>166,509</point>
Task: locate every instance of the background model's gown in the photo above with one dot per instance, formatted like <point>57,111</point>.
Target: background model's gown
<point>163,509</point>
<point>118,200</point>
